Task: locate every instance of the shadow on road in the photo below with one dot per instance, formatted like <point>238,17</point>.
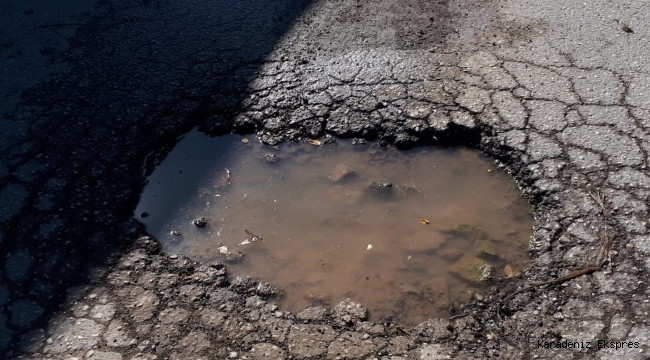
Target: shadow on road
<point>135,78</point>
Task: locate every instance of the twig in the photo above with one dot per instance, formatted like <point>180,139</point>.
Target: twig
<point>406,332</point>
<point>500,205</point>
<point>605,248</point>
<point>600,200</point>
<point>409,186</point>
<point>459,316</point>
<point>571,275</point>
<point>346,215</point>
<point>604,254</point>
<point>414,188</point>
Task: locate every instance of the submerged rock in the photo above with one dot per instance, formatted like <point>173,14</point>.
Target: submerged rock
<point>487,272</point>
<point>450,254</point>
<point>380,187</point>
<point>271,158</point>
<point>341,172</point>
<point>266,289</point>
<point>423,242</point>
<point>440,290</point>
<point>485,248</point>
<point>472,269</point>
<point>200,222</point>
<point>348,312</point>
<point>471,231</point>
<point>233,256</point>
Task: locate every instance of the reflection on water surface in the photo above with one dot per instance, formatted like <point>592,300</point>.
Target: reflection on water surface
<point>406,233</point>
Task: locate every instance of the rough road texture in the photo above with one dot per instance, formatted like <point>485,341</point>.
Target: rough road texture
<point>556,91</point>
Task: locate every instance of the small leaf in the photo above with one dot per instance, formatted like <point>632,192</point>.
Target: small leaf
<point>314,142</point>
<point>425,221</point>
<point>509,272</point>
<point>244,140</point>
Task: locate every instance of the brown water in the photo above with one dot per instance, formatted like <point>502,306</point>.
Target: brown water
<point>333,228</point>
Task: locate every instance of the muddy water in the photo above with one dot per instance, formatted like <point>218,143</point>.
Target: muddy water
<point>406,233</point>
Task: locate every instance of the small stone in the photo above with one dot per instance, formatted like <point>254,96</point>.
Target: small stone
<point>200,222</point>
<point>176,233</point>
<point>233,355</point>
<point>472,269</point>
<point>485,248</point>
<point>341,172</point>
<point>271,158</point>
<point>312,313</point>
<point>380,187</point>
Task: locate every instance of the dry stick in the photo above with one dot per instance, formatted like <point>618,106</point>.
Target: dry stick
<point>459,316</point>
<point>414,188</point>
<point>500,205</point>
<point>356,217</point>
<point>604,253</point>
<point>574,274</point>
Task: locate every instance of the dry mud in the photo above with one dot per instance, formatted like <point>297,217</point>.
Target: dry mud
<point>557,91</point>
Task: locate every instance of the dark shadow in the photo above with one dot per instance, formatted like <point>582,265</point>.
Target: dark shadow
<point>136,77</point>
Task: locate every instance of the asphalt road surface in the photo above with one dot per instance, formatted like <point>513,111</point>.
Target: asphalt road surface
<point>558,91</point>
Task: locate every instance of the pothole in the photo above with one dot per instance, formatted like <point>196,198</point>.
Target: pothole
<point>409,234</point>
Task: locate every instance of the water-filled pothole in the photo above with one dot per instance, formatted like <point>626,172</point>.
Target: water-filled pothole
<point>406,233</point>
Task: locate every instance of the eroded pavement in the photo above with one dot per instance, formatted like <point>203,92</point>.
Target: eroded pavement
<point>558,92</point>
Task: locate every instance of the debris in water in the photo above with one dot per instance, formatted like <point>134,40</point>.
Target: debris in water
<point>322,262</point>
<point>271,158</point>
<point>499,205</point>
<point>489,170</point>
<point>509,272</point>
<point>234,257</point>
<point>223,249</point>
<point>369,247</point>
<point>376,276</point>
<point>409,258</point>
<point>244,140</point>
<point>251,238</point>
<point>341,172</point>
<point>425,221</point>
<point>176,233</point>
<point>200,222</point>
<point>314,142</point>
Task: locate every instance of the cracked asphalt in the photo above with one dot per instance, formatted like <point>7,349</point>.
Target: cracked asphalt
<point>558,92</point>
